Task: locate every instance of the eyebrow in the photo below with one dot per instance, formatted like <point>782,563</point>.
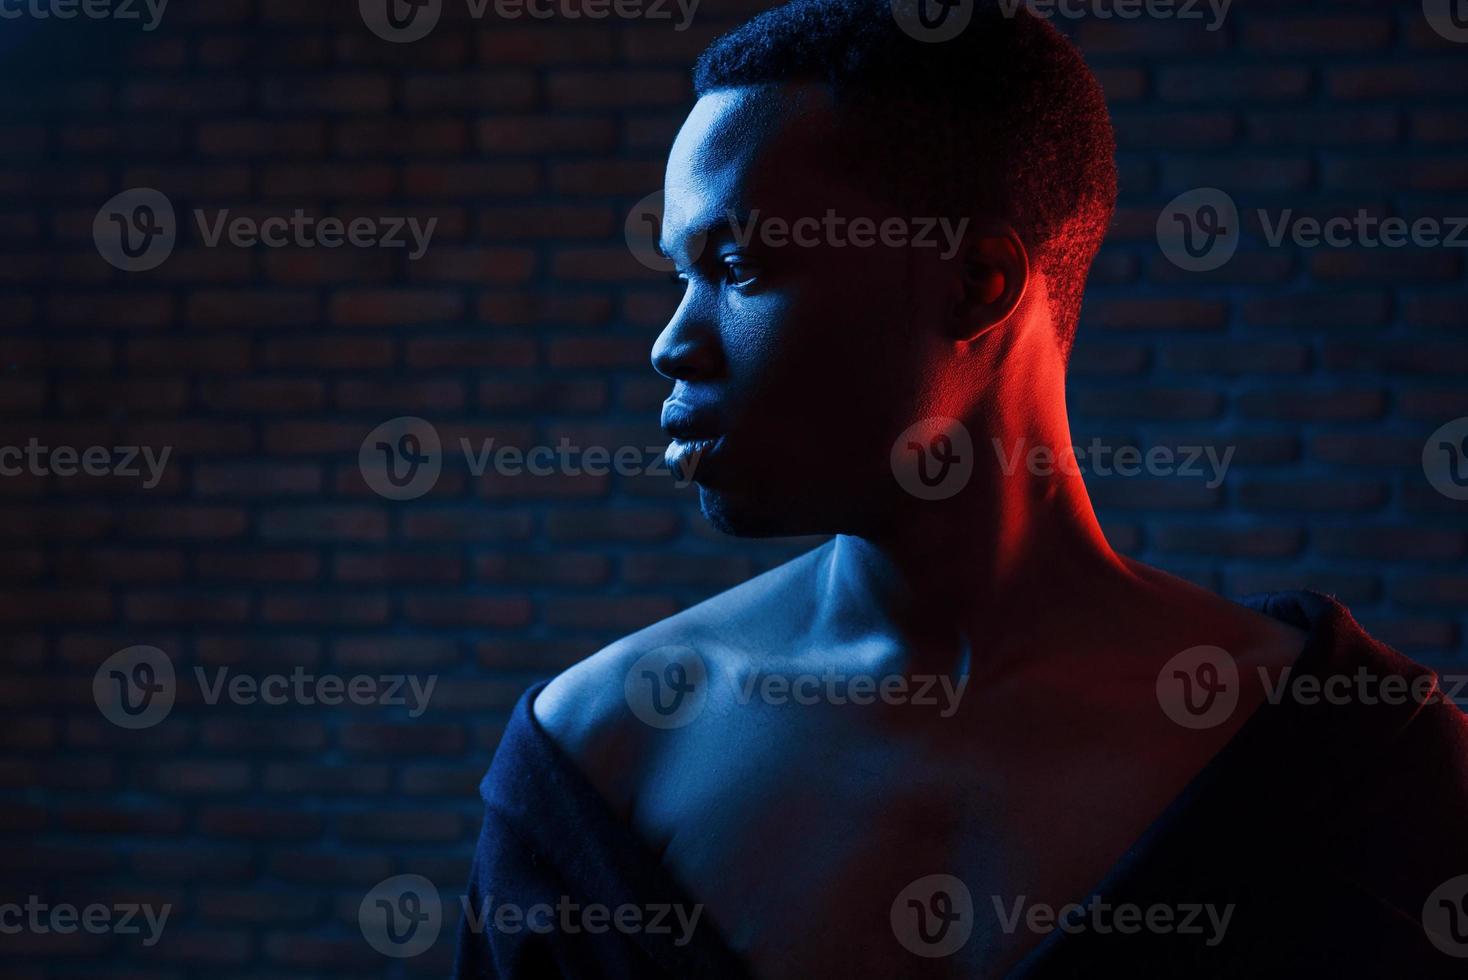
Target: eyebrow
<point>715,228</point>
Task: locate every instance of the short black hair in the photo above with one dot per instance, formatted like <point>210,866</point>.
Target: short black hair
<point>1003,120</point>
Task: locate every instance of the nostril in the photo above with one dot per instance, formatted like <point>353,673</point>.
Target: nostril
<point>682,354</point>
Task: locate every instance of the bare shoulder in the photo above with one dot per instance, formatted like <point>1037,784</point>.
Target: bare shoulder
<point>1254,639</point>
<point>611,736</point>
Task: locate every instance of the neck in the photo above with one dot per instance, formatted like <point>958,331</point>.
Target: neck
<point>1018,549</point>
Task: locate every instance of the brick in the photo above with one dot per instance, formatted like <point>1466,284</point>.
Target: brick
<point>1334,308</point>
<point>473,91</point>
<point>1395,542</point>
<point>389,137</point>
<point>470,180</point>
<point>1422,78</point>
<point>1143,314</point>
<point>1295,404</point>
<point>381,308</point>
<point>616,89</point>
<point>555,568</point>
<point>252,308</point>
<point>1318,494</point>
<point>467,610</point>
<point>505,134</point>
<point>259,566</point>
<point>1254,541</point>
<point>323,523</point>
<point>1234,357</point>
<point>255,137</point>
<point>1316,34</point>
<point>1151,403</point>
<point>1276,84</point>
<point>342,92</point>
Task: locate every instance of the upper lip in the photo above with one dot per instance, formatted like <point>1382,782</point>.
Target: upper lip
<point>688,422</point>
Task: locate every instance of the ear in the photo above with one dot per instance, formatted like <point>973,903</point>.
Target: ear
<point>993,271</point>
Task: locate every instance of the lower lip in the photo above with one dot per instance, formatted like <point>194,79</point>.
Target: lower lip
<point>685,457</point>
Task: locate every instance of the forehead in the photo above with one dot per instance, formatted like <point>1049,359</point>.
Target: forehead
<point>765,146</point>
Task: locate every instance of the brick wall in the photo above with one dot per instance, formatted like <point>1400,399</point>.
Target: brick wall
<point>262,549</point>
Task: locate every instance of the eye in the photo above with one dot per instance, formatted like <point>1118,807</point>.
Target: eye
<point>679,280</point>
<point>739,272</point>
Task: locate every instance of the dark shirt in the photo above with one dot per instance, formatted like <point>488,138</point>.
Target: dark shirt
<point>1332,825</point>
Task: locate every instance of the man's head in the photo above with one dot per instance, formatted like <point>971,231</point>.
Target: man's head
<point>805,342</point>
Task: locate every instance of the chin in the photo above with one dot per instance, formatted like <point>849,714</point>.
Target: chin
<point>745,515</point>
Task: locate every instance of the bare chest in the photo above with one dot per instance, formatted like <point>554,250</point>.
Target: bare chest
<point>875,859</point>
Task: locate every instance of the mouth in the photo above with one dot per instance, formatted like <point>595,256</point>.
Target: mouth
<point>685,458</point>
<point>695,439</point>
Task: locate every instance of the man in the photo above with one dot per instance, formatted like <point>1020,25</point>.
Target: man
<point>965,737</point>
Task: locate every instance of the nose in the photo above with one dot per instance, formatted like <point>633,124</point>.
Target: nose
<point>689,348</point>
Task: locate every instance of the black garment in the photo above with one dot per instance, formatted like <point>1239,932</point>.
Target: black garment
<point>1328,826</point>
